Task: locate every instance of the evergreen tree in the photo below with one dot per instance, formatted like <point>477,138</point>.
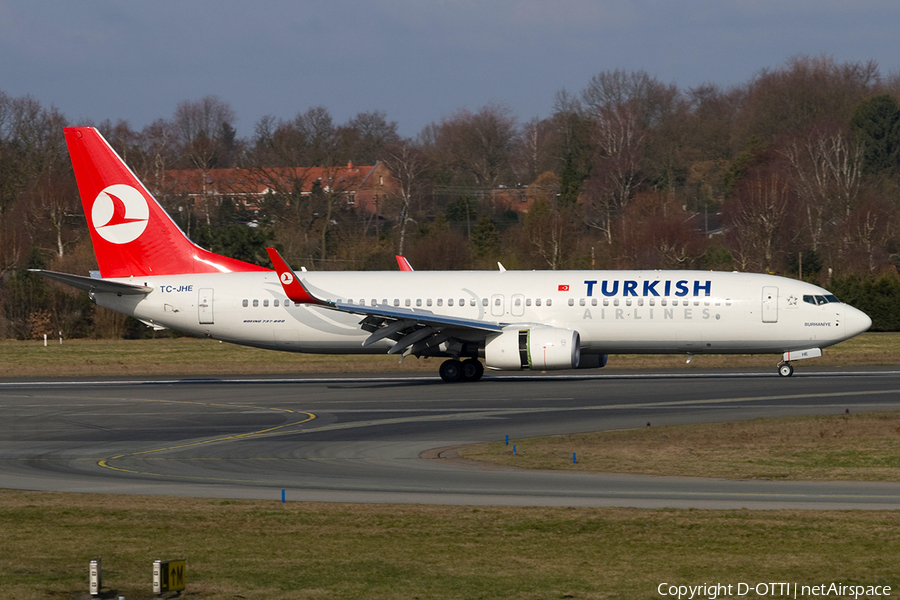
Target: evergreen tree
<point>485,238</point>
<point>877,123</point>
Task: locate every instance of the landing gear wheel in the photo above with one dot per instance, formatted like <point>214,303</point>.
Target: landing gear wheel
<point>472,369</point>
<point>451,371</point>
<point>785,370</point>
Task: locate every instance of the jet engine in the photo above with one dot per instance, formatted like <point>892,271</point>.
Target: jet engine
<point>538,347</point>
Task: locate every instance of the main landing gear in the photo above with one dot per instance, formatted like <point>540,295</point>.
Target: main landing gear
<point>785,369</point>
<point>454,370</point>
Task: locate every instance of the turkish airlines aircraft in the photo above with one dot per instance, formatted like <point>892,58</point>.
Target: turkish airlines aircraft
<point>513,320</point>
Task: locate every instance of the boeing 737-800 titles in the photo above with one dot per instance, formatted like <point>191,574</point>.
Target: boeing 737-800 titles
<point>512,320</point>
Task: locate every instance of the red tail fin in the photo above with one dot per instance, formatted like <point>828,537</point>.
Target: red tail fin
<point>132,234</point>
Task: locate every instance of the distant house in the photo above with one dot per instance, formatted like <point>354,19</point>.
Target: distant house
<point>362,187</point>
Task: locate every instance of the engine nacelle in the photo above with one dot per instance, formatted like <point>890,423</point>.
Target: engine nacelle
<point>539,347</point>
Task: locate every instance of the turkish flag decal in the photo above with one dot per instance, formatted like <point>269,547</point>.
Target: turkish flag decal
<point>563,288</point>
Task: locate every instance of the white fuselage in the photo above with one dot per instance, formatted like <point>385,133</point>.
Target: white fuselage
<point>613,311</point>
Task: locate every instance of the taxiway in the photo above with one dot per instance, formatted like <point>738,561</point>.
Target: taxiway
<point>377,439</point>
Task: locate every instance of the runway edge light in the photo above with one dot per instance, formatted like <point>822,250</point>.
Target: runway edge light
<point>168,576</point>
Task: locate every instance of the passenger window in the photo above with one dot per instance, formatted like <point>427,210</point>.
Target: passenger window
<point>484,301</point>
<point>652,302</point>
<point>276,302</point>
<point>537,302</point>
<point>407,302</point>
<point>396,302</point>
<point>627,301</point>
<point>616,302</point>
<point>266,302</point>
<point>255,303</point>
<point>606,302</point>
<point>440,302</point>
<point>462,301</point>
<point>549,302</point>
<point>450,302</point>
<point>518,302</point>
<point>245,304</point>
<point>472,302</point>
<point>640,301</point>
<point>593,302</point>
<point>582,302</point>
<point>527,301</point>
<point>418,302</point>
<point>571,302</point>
<point>663,302</point>
<point>428,302</point>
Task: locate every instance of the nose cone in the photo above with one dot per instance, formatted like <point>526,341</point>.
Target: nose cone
<point>855,321</point>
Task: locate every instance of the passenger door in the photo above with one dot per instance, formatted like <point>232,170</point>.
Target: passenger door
<point>205,306</point>
<point>770,304</point>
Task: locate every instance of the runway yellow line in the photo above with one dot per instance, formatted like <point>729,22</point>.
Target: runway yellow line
<point>105,464</point>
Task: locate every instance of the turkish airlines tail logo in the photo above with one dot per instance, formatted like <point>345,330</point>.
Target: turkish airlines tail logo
<point>120,214</point>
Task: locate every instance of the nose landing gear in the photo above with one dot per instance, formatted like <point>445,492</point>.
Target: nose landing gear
<point>785,369</point>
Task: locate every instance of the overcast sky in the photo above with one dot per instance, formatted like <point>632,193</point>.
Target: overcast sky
<point>416,60</point>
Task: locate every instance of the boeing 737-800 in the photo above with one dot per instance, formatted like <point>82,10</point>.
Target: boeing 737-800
<point>512,320</point>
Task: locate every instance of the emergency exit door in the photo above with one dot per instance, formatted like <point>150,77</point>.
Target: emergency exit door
<point>770,304</point>
<point>205,306</point>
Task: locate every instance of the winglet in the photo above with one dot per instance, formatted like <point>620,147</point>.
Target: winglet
<point>293,287</point>
<point>403,263</point>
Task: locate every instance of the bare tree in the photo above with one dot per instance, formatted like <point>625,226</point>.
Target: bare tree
<point>317,132</point>
<point>622,107</point>
<point>406,163</point>
<point>826,167</point>
<point>531,154</point>
<point>478,145</point>
<point>806,91</point>
<point>364,137</point>
<point>548,226</point>
<point>757,216</point>
<point>204,131</point>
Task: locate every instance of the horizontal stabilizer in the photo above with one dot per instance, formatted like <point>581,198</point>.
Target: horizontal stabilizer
<point>93,284</point>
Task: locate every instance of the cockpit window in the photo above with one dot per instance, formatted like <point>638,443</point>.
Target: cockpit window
<point>820,300</point>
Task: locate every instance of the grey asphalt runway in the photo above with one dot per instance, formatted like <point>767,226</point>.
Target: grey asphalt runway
<point>377,439</point>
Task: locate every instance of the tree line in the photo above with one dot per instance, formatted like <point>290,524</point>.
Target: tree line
<point>793,172</point>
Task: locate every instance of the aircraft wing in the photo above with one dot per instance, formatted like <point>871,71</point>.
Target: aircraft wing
<point>414,330</point>
<point>93,284</point>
